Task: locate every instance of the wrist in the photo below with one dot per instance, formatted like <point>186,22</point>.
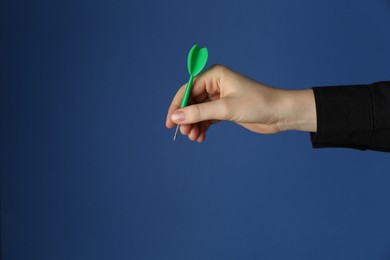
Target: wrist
<point>298,111</point>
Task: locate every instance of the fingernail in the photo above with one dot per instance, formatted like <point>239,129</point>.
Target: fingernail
<point>178,116</point>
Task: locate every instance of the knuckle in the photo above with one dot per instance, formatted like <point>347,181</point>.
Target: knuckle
<point>199,112</point>
<point>219,67</point>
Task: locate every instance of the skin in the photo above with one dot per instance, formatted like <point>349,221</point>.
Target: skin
<point>223,94</point>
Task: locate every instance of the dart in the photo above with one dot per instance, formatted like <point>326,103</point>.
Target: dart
<point>197,59</point>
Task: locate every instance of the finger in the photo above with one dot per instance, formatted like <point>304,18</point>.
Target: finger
<point>201,98</point>
<point>213,110</point>
<point>193,100</point>
<point>185,129</point>
<point>205,82</point>
<point>175,104</point>
<point>203,127</point>
<point>202,131</point>
<point>194,134</point>
<point>201,138</point>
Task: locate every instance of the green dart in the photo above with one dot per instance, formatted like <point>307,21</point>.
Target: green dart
<point>197,58</point>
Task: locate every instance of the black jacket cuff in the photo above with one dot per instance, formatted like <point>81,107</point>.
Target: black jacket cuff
<point>353,116</point>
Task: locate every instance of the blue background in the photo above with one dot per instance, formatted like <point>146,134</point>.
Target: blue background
<point>89,171</point>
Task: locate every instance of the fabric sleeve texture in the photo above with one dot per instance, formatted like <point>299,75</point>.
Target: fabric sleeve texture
<point>356,116</point>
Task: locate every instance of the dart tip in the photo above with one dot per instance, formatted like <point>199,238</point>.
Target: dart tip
<point>174,137</point>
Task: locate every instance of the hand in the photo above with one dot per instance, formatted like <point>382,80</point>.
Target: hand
<point>223,94</point>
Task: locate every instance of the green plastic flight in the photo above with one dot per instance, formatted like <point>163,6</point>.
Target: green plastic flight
<point>197,59</point>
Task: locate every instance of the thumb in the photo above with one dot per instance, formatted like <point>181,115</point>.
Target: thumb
<point>216,109</point>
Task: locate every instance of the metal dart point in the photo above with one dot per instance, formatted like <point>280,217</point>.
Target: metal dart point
<point>177,128</point>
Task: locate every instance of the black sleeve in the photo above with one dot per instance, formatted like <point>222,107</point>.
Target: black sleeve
<point>353,116</point>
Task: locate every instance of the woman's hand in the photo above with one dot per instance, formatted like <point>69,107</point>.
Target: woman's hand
<point>223,94</point>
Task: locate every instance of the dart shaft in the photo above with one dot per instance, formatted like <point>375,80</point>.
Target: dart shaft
<point>187,93</point>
